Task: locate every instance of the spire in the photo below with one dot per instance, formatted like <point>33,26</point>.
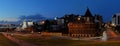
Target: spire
<point>88,13</point>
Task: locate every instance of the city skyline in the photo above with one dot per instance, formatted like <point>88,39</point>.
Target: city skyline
<point>11,10</point>
<point>59,22</point>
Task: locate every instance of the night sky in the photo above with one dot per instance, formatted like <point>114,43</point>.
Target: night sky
<point>11,10</point>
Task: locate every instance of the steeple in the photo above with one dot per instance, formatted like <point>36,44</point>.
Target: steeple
<point>88,13</point>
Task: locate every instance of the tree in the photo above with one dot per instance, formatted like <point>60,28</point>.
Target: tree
<point>47,25</point>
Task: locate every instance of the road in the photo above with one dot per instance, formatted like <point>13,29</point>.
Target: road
<point>19,42</point>
<point>111,33</point>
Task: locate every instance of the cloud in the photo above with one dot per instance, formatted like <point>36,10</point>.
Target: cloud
<point>9,19</point>
<point>35,17</point>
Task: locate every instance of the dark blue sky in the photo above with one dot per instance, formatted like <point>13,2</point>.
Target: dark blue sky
<point>11,9</point>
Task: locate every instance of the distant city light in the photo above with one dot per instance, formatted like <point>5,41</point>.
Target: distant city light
<point>43,22</point>
<point>113,24</point>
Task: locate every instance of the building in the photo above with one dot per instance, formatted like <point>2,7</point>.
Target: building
<point>116,22</point>
<point>116,19</point>
<point>26,24</point>
<point>60,21</point>
<point>84,26</point>
<point>78,29</point>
